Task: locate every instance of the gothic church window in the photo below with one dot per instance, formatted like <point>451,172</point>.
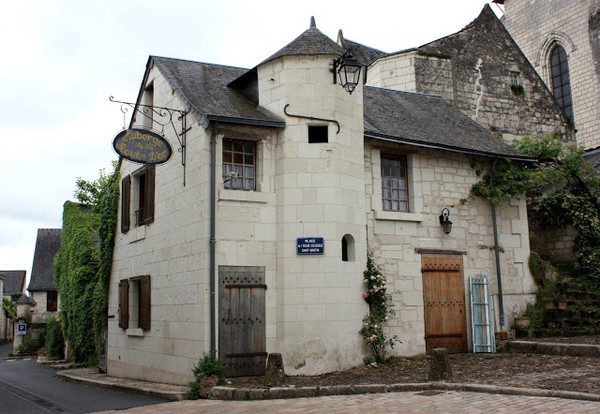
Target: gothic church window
<point>561,84</point>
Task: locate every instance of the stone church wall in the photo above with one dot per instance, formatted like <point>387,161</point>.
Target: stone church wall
<point>575,24</point>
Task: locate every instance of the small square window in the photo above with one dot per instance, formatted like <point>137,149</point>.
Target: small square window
<point>317,134</point>
<point>515,78</point>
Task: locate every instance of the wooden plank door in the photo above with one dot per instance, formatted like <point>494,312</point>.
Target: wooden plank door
<point>242,333</point>
<point>444,298</point>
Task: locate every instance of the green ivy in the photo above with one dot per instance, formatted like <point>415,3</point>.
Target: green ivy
<point>82,264</point>
<point>54,343</point>
<point>561,188</point>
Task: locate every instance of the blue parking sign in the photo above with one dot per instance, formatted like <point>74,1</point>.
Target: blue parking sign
<point>21,328</point>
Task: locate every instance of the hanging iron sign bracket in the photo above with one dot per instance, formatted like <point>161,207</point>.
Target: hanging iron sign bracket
<point>163,116</point>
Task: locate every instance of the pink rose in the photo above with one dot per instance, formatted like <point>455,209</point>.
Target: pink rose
<point>364,295</point>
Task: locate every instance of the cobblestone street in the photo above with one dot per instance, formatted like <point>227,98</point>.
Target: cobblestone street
<point>406,402</point>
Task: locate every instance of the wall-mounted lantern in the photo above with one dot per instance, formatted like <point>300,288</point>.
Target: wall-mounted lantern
<point>445,221</point>
<point>347,70</point>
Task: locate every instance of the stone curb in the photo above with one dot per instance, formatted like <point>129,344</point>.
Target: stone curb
<point>137,386</point>
<point>548,348</point>
<point>228,393</point>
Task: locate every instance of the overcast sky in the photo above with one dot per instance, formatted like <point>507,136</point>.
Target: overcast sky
<point>61,60</point>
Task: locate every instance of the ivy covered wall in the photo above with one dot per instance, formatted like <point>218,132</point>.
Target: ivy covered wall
<point>82,265</point>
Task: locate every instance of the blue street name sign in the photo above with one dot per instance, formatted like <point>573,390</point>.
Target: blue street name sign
<point>310,245</point>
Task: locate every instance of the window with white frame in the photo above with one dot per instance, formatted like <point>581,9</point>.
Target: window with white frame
<point>394,183</point>
<point>239,164</point>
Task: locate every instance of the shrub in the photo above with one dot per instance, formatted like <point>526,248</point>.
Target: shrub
<point>207,366</point>
<point>54,338</point>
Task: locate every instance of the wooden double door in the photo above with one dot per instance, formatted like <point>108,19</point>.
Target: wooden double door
<point>444,299</point>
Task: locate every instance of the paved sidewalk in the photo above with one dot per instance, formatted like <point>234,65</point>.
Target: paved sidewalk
<point>93,377</point>
<point>413,398</point>
<point>393,402</point>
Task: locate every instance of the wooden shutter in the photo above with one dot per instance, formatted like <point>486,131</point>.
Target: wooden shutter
<point>125,204</point>
<point>149,194</point>
<point>144,315</point>
<point>124,304</point>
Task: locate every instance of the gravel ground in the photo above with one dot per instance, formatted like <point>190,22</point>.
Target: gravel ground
<point>554,372</point>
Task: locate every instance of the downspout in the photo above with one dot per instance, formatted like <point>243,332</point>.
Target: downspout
<point>497,252</point>
<point>213,241</point>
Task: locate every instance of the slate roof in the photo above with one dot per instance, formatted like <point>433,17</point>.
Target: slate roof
<point>204,88</point>
<point>428,121</point>
<point>25,300</point>
<point>311,42</point>
<point>229,94</point>
<point>364,54</point>
<point>42,272</point>
<point>14,281</point>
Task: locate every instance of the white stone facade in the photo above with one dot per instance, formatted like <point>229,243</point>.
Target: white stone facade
<point>536,25</point>
<point>313,306</point>
<point>441,180</point>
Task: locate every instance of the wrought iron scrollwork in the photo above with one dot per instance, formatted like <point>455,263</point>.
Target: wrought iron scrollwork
<point>163,116</point>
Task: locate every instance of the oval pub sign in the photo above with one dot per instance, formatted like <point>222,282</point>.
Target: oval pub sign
<point>142,146</point>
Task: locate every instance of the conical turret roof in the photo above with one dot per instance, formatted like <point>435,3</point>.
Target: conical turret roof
<point>311,42</point>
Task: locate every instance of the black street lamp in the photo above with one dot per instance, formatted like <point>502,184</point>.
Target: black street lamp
<point>347,70</point>
<point>445,221</point>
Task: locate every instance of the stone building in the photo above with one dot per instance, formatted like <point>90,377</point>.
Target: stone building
<point>3,316</point>
<point>13,283</point>
<point>561,39</point>
<point>279,161</point>
<point>481,71</point>
<point>41,285</point>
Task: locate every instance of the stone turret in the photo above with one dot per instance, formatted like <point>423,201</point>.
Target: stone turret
<point>319,182</point>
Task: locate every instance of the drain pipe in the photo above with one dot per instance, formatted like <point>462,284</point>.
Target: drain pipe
<point>497,252</point>
<point>213,241</point>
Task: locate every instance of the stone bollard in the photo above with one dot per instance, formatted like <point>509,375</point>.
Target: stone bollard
<point>207,382</point>
<point>440,369</point>
<point>275,375</point>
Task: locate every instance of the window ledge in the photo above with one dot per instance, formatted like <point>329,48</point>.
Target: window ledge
<point>246,196</point>
<point>135,332</point>
<point>398,216</point>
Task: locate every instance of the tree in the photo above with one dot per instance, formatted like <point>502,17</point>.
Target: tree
<point>561,187</point>
<point>10,307</point>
